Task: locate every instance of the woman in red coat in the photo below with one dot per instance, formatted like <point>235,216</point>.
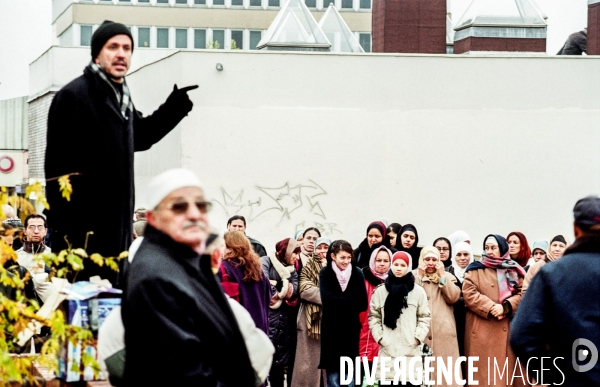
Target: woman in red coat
<point>375,274</point>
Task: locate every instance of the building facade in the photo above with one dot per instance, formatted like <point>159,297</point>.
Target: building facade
<point>193,24</point>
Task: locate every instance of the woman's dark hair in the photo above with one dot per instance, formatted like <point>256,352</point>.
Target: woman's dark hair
<point>339,245</point>
<point>395,227</point>
<point>236,217</point>
<point>311,229</point>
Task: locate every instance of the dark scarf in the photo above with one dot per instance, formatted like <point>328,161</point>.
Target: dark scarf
<point>34,248</point>
<point>396,300</point>
<point>448,262</point>
<point>414,251</point>
<point>123,99</point>
<point>370,277</point>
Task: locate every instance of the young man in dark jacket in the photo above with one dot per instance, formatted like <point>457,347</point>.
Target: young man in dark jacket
<point>93,131</point>
<point>179,328</point>
<point>559,316</point>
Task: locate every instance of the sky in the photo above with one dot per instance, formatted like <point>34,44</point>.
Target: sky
<point>26,33</point>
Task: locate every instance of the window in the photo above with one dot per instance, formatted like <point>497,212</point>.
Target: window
<point>346,3</point>
<point>143,1</point>
<point>162,1</point>
<point>365,41</point>
<point>218,2</point>
<point>311,3</point>
<point>273,3</point>
<point>86,36</point>
<point>237,2</point>
<point>365,4</point>
<point>237,40</point>
<point>180,38</point>
<point>143,37</point>
<point>199,38</point>
<point>255,3</point>
<point>327,2</point>
<point>219,39</point>
<point>124,1</point>
<point>180,1</point>
<point>255,37</point>
<point>200,2</point>
<point>162,37</point>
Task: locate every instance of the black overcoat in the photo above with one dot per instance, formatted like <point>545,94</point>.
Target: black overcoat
<point>340,322</point>
<point>88,136</point>
<point>179,328</point>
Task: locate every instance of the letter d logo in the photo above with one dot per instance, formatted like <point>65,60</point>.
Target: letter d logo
<point>580,354</point>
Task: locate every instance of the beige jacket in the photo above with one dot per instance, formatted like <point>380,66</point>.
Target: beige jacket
<point>412,324</point>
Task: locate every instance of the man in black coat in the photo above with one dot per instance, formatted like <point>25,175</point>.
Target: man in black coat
<point>576,44</point>
<point>179,328</point>
<point>93,131</point>
<point>238,223</point>
<point>559,316</point>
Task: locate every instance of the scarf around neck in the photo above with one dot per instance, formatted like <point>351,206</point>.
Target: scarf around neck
<point>396,300</point>
<point>343,276</point>
<point>126,106</point>
<point>508,273</point>
<point>309,278</point>
<point>34,248</point>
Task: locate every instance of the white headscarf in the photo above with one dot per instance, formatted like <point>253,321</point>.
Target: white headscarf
<point>372,262</point>
<point>456,237</point>
<point>458,271</point>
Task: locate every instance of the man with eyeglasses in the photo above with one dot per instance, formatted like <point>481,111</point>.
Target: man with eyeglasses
<point>33,244</point>
<point>179,328</point>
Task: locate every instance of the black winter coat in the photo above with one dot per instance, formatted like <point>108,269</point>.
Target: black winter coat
<point>561,306</point>
<point>340,322</point>
<point>88,136</point>
<point>179,328</point>
<point>282,321</point>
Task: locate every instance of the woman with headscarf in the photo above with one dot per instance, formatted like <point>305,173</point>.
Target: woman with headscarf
<point>442,294</point>
<point>399,317</point>
<point>344,297</point>
<point>518,248</point>
<point>375,274</point>
<point>280,269</point>
<point>491,290</point>
<point>408,241</point>
<point>241,267</point>
<point>393,230</point>
<point>462,259</point>
<point>376,237</point>
<point>308,348</point>
<point>539,250</point>
<point>445,248</point>
<point>458,236</point>
<point>556,249</point>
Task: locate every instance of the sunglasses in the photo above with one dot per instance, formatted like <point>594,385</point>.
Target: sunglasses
<point>183,206</point>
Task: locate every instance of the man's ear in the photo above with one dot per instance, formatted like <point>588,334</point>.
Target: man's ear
<point>151,218</point>
<point>577,231</point>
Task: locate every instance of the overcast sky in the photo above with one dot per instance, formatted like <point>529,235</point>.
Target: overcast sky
<point>26,29</point>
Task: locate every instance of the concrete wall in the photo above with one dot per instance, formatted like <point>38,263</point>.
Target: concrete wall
<point>484,144</point>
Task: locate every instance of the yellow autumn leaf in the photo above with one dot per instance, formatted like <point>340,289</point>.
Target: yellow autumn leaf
<point>124,254</point>
<point>97,259</point>
<point>81,252</point>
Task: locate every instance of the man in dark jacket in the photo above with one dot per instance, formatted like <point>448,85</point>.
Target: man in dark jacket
<point>576,44</point>
<point>238,223</point>
<point>93,131</point>
<point>559,316</point>
<point>179,328</point>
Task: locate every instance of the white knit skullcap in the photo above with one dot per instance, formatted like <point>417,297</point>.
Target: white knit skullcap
<point>491,241</point>
<point>165,183</point>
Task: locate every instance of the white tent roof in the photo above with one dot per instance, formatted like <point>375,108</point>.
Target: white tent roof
<point>502,13</point>
<point>449,30</point>
<point>338,33</point>
<point>294,26</point>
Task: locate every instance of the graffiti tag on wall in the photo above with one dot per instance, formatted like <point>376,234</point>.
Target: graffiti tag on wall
<point>288,202</point>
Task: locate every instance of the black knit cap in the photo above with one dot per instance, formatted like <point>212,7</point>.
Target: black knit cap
<point>107,30</point>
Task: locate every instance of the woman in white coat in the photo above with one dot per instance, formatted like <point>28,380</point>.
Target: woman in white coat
<point>399,317</point>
